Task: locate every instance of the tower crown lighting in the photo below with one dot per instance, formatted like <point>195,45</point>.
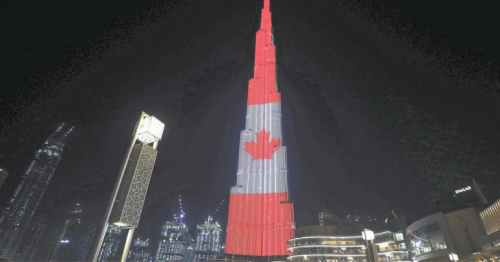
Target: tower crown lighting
<point>150,130</point>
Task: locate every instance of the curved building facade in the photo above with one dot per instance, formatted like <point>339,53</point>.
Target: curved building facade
<point>390,246</point>
<point>434,237</point>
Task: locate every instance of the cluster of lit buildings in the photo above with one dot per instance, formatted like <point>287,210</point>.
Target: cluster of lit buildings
<point>469,234</point>
<point>25,236</point>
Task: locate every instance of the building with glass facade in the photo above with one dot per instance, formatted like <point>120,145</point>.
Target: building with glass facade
<point>390,246</point>
<point>111,245</point>
<point>208,240</point>
<point>434,237</point>
<point>16,217</point>
<point>77,234</point>
<point>174,237</point>
<point>139,251</point>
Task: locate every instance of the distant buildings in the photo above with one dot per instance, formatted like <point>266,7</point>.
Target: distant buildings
<point>16,217</point>
<point>111,245</point>
<point>174,237</point>
<point>76,236</point>
<point>35,246</point>
<point>352,224</point>
<point>3,175</point>
<point>208,240</point>
<point>139,251</point>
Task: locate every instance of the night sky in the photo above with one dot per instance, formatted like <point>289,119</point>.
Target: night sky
<point>386,104</point>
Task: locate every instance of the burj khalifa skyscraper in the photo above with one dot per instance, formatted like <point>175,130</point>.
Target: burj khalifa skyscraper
<point>261,217</point>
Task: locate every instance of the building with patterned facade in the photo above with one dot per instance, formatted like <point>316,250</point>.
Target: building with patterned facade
<point>208,240</point>
<point>16,217</point>
<point>261,215</point>
<point>174,238</point>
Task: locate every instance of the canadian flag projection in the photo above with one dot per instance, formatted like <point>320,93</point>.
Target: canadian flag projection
<point>261,218</point>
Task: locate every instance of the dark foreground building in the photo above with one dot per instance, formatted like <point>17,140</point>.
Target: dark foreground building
<point>77,234</point>
<point>261,217</point>
<point>16,217</point>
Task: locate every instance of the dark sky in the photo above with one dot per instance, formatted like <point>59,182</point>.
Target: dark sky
<point>385,103</point>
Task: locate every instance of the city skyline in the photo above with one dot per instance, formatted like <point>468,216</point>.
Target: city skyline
<point>381,106</point>
<point>15,219</point>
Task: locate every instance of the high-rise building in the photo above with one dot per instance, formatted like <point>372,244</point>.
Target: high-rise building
<point>174,236</point>
<point>3,175</point>
<point>16,217</point>
<point>34,244</point>
<point>111,245</point>
<point>139,251</point>
<point>261,218</point>
<point>76,236</point>
<point>208,240</point>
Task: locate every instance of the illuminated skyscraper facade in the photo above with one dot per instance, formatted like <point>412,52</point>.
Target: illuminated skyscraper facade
<point>174,236</point>
<point>139,251</point>
<point>111,244</point>
<point>261,217</point>
<point>16,217</point>
<point>208,240</point>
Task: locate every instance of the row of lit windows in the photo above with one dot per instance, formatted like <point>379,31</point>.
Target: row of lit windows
<point>327,259</point>
<point>491,217</point>
<point>392,247</point>
<point>328,250</point>
<point>307,242</point>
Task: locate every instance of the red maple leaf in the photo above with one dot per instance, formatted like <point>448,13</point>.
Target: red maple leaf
<point>263,149</point>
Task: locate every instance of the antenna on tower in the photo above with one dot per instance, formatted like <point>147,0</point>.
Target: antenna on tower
<point>217,209</point>
<point>58,129</point>
<point>69,131</point>
<point>181,214</point>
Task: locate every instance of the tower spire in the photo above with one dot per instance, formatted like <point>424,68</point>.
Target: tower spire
<point>266,6</point>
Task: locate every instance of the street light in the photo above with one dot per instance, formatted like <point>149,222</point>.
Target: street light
<point>127,200</point>
<point>453,257</point>
<point>368,234</point>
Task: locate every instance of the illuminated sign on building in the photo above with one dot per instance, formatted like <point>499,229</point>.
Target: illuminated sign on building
<point>463,190</point>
